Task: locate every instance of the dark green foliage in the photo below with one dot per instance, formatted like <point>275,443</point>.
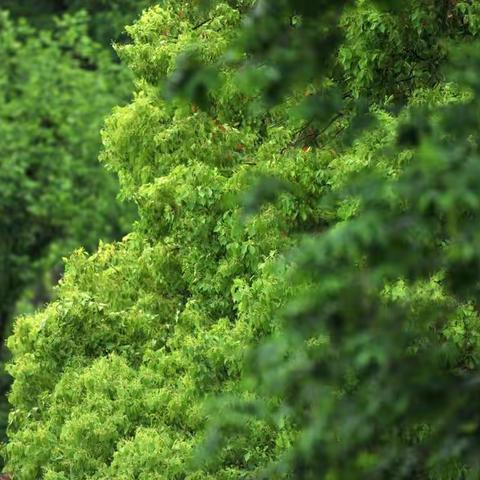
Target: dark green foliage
<point>107,18</point>
<point>377,366</point>
<point>56,86</point>
<point>299,297</point>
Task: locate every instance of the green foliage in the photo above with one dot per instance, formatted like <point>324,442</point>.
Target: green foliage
<point>299,296</point>
<point>55,88</point>
<point>106,18</point>
<point>393,53</point>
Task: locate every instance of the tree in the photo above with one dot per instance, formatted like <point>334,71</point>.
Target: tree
<point>298,298</point>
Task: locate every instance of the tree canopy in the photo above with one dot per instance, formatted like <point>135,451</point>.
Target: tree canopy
<point>298,299</point>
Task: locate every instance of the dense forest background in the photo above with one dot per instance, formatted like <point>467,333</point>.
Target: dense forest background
<point>289,287</point>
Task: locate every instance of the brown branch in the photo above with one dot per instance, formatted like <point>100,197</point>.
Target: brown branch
<point>198,25</point>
